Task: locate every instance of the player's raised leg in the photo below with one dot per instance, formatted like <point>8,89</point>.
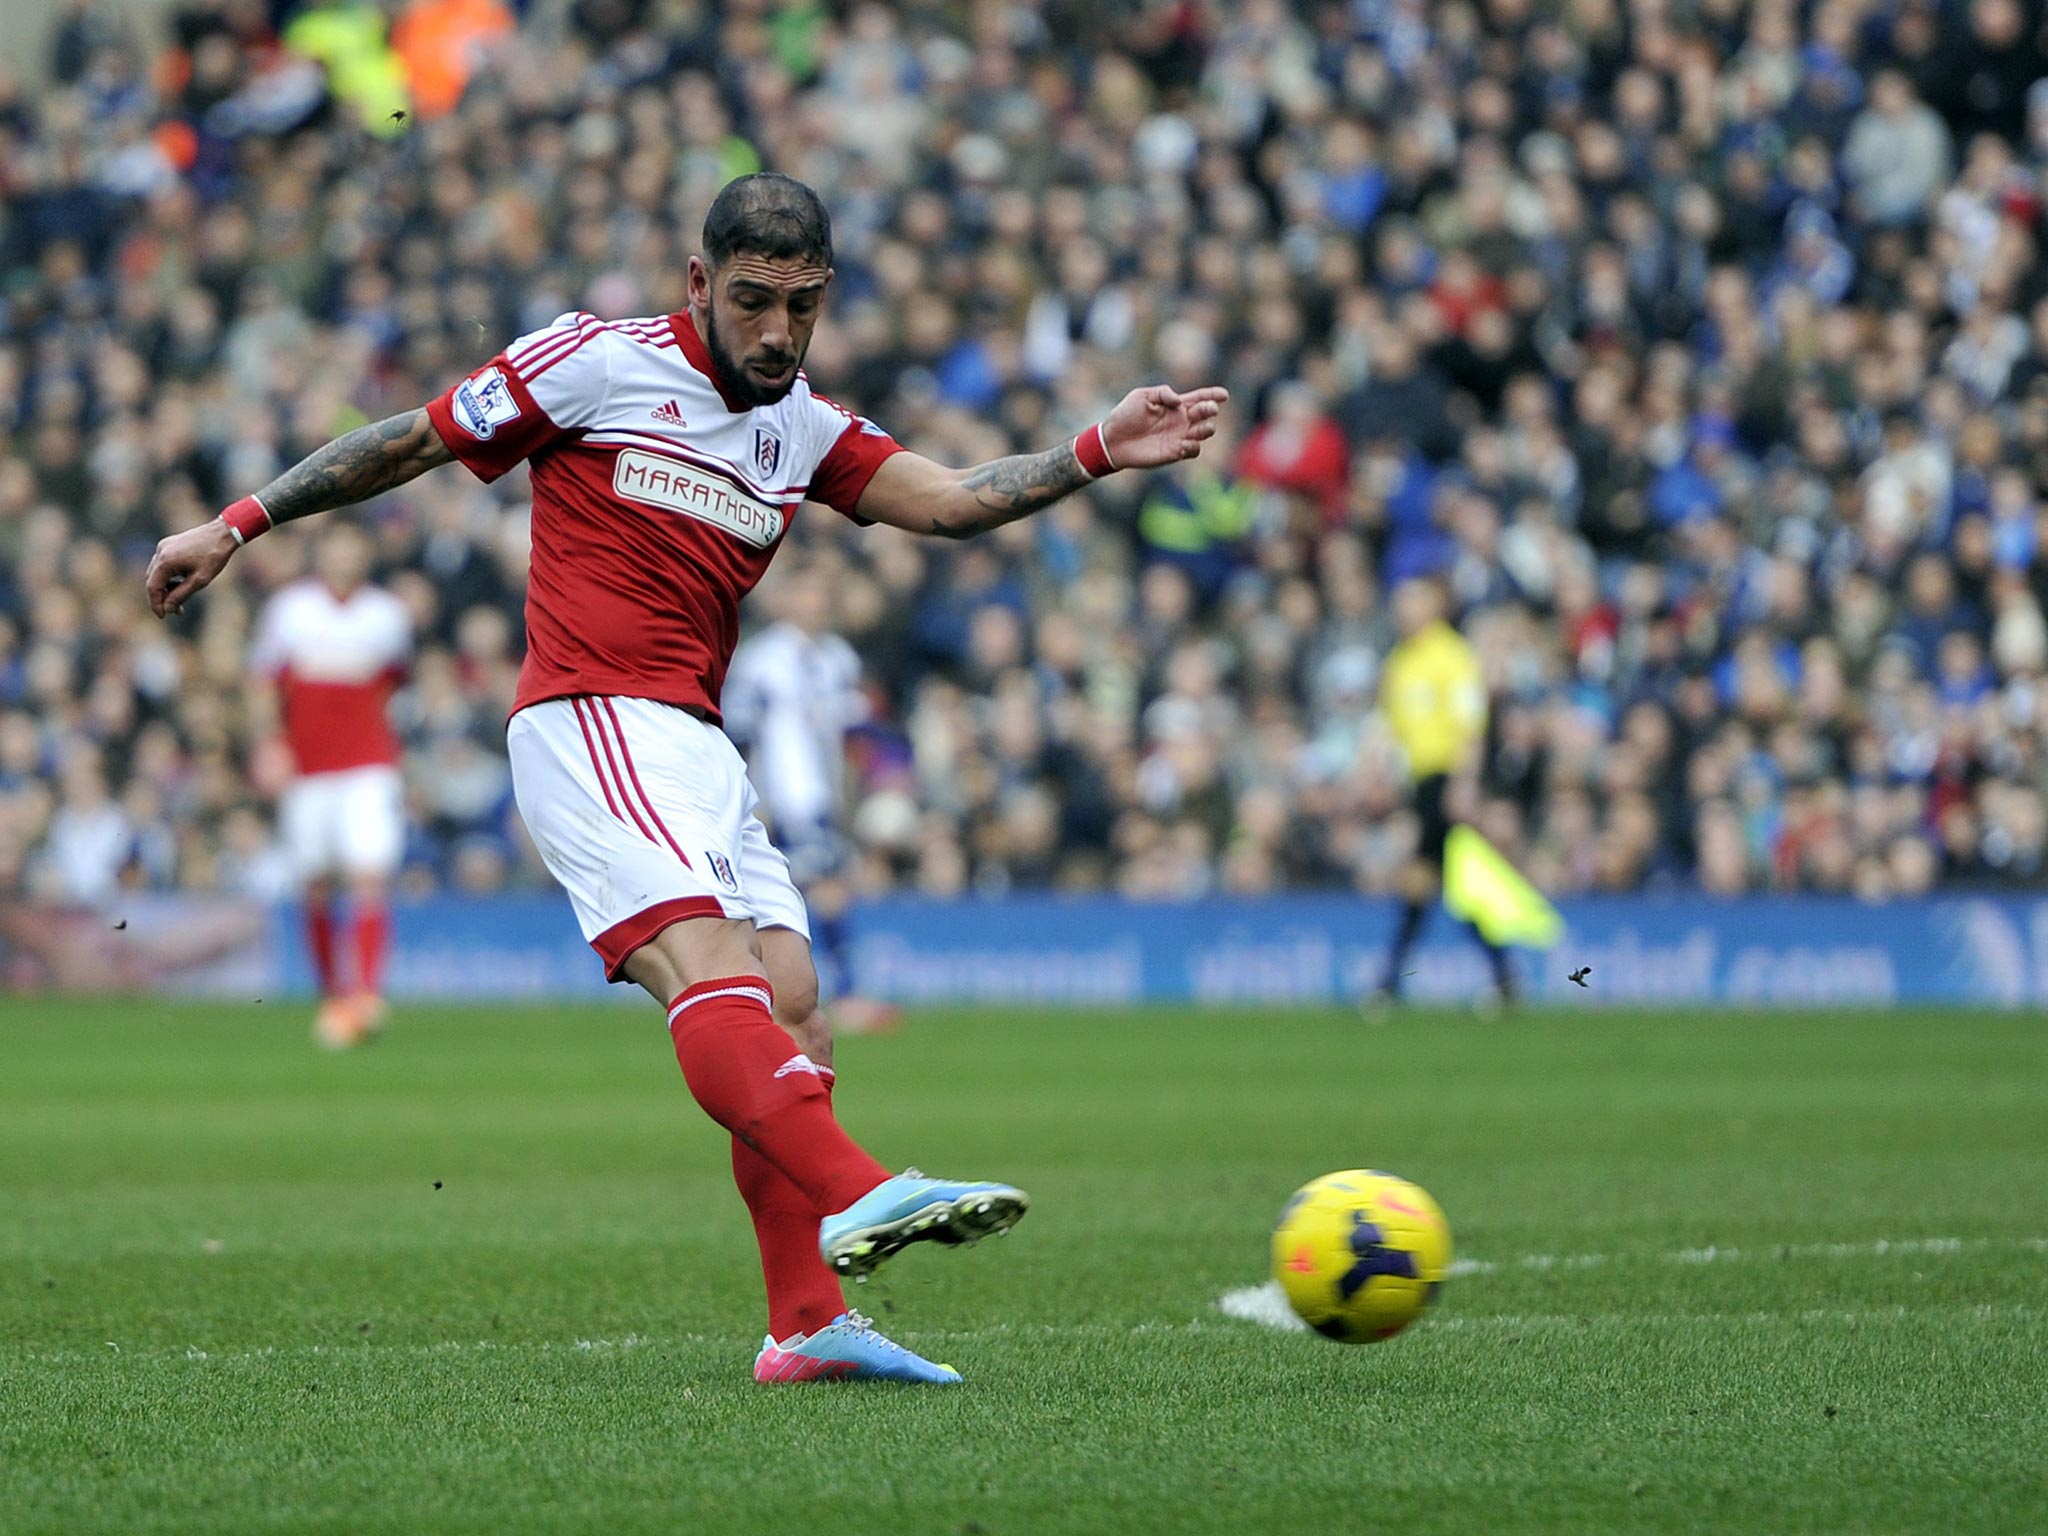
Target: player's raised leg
<point>908,1209</point>
<point>747,1073</point>
<point>744,1068</point>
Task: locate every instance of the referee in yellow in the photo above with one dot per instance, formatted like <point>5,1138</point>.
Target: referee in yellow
<point>1434,700</point>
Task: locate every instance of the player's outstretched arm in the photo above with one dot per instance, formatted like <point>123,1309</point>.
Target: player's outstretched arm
<point>352,468</point>
<point>1148,428</point>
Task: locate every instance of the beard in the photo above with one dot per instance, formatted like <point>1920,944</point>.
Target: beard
<point>736,378</point>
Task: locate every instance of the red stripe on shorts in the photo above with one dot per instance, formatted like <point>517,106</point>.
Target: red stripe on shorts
<point>645,798</point>
<point>596,767</point>
<point>618,778</point>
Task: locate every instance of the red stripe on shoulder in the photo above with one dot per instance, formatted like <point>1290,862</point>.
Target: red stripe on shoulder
<point>657,334</point>
<point>567,352</point>
<point>539,358</point>
<point>541,342</point>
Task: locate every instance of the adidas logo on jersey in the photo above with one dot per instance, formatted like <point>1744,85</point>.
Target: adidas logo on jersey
<point>669,414</point>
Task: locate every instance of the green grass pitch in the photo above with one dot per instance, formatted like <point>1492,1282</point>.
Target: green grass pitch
<point>233,1297</point>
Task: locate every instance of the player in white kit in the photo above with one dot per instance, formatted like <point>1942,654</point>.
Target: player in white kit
<point>791,696</point>
<point>668,456</point>
<point>333,647</point>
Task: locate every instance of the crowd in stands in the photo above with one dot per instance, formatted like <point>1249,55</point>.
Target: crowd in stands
<point>1700,346</point>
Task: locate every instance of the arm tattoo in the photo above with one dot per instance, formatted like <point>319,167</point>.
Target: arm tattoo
<point>356,466</point>
<point>1007,489</point>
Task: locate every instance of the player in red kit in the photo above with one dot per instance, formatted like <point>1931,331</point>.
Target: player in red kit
<point>668,456</point>
<point>333,648</point>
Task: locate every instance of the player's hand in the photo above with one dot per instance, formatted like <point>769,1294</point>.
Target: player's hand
<point>1155,425</point>
<point>185,562</point>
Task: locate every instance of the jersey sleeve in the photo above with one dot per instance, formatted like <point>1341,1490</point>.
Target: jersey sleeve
<point>857,451</point>
<point>546,385</point>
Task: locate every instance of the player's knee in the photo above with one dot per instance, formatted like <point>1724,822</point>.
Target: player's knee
<point>796,1000</point>
<point>786,958</point>
<point>795,981</point>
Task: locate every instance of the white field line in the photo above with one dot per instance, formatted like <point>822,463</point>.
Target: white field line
<point>1267,1305</point>
<point>1262,1304</point>
<point>739,1345</point>
<point>1883,1247</point>
<point>113,1347</point>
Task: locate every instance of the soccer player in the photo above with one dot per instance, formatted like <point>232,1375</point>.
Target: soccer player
<point>334,647</point>
<point>792,694</point>
<point>668,456</point>
<point>1434,700</point>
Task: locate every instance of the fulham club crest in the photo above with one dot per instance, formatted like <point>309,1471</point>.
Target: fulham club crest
<point>767,451</point>
<point>721,867</point>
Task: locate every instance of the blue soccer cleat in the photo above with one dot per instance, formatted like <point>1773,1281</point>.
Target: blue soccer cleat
<point>911,1208</point>
<point>846,1349</point>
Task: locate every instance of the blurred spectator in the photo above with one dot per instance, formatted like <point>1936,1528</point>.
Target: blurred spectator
<point>1897,156</point>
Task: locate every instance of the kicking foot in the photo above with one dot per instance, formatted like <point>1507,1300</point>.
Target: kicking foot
<point>846,1349</point>
<point>372,1011</point>
<point>911,1208</point>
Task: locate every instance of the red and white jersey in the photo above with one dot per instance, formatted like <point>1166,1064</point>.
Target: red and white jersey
<point>658,498</point>
<point>336,661</point>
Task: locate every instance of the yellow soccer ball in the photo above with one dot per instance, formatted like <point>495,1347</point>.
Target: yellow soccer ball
<point>1360,1254</point>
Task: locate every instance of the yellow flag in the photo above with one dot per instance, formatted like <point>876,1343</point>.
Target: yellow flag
<point>1484,889</point>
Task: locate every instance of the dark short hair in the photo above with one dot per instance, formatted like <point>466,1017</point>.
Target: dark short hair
<point>767,214</point>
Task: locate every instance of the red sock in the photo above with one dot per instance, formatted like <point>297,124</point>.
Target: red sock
<point>803,1295</point>
<point>320,939</point>
<point>373,938</point>
<point>747,1073</point>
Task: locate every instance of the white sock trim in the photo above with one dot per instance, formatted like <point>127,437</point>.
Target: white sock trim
<point>760,995</point>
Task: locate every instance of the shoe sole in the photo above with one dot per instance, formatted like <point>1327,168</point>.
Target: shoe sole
<point>956,1223</point>
<point>852,1378</point>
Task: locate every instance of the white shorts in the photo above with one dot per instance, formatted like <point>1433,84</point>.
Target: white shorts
<point>349,823</point>
<point>644,814</point>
